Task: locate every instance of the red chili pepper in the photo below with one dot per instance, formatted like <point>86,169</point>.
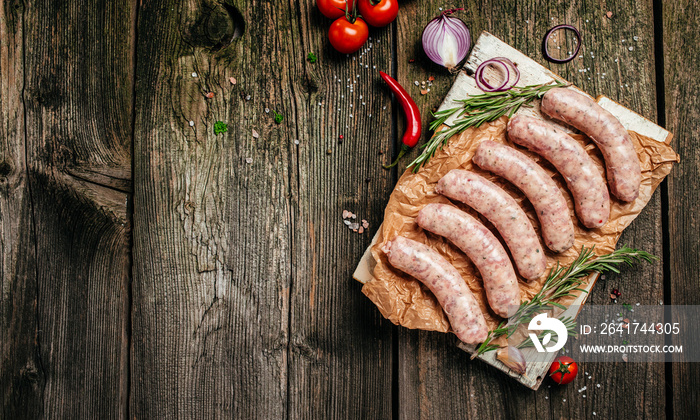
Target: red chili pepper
<point>412,113</point>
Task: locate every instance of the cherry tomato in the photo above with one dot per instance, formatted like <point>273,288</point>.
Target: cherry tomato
<point>347,37</point>
<point>333,8</point>
<point>563,370</point>
<point>378,13</point>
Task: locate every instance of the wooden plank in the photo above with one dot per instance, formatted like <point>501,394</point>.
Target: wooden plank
<point>340,360</point>
<point>211,231</point>
<point>243,302</point>
<point>680,52</point>
<point>478,389</point>
<point>65,226</point>
<point>22,377</point>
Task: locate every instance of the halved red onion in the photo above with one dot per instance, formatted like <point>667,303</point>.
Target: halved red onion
<point>545,47</point>
<point>503,63</point>
<point>446,40</point>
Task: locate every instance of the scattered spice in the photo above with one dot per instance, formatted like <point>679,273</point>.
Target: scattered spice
<point>424,92</point>
<point>219,127</point>
<point>358,227</point>
<point>412,60</point>
<point>329,151</point>
<point>278,117</point>
<point>609,15</point>
<point>209,95</point>
<point>311,58</point>
<point>431,78</point>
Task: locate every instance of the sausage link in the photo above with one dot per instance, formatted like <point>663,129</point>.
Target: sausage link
<point>450,289</point>
<point>533,181</point>
<point>482,248</point>
<point>504,212</point>
<point>582,112</point>
<point>571,160</point>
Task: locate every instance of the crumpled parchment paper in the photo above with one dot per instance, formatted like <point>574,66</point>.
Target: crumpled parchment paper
<point>405,301</point>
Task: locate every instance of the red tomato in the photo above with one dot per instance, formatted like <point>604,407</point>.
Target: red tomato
<point>378,13</point>
<point>563,370</point>
<point>332,8</point>
<point>347,37</point>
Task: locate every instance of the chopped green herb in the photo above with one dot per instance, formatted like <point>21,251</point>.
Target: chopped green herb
<point>220,127</point>
<point>311,57</point>
<point>278,117</point>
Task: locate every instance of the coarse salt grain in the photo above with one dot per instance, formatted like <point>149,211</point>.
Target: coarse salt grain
<point>255,134</point>
<point>631,48</point>
<point>347,222</point>
<point>191,123</point>
<point>296,141</point>
<point>267,110</point>
<point>194,74</point>
<point>248,160</point>
<point>345,214</point>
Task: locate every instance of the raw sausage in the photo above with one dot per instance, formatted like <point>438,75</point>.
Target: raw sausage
<point>450,289</point>
<point>571,160</point>
<point>582,112</point>
<point>504,212</point>
<point>533,181</point>
<point>482,248</point>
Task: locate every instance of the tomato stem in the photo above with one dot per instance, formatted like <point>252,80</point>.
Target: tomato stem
<point>351,16</point>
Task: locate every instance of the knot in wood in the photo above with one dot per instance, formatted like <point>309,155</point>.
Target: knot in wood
<point>217,26</point>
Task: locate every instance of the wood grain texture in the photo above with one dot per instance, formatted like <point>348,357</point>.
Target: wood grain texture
<point>65,226</point>
<point>22,377</point>
<point>244,305</point>
<point>680,52</point>
<point>454,378</point>
<point>340,358</point>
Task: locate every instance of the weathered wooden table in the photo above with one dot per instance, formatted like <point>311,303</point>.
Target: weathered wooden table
<point>153,269</point>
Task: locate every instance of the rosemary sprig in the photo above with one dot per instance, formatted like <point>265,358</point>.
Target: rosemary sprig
<point>562,282</point>
<point>476,110</point>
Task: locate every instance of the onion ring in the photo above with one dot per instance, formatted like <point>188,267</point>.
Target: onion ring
<point>503,63</point>
<point>545,48</point>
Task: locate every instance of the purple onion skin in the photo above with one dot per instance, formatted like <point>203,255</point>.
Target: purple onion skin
<point>433,38</point>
